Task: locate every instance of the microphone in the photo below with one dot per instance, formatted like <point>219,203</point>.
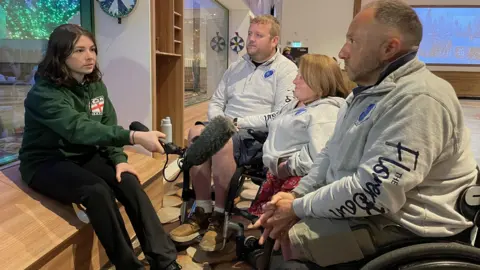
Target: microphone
<point>169,148</point>
<point>137,126</point>
<point>212,139</point>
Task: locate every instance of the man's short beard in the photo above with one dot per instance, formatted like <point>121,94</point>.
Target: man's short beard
<point>378,67</point>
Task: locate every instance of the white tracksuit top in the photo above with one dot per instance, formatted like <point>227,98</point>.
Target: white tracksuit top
<point>248,90</point>
<point>296,134</point>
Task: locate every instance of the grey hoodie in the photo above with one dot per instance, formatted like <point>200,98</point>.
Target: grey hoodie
<point>399,149</point>
<point>296,134</point>
<point>248,90</point>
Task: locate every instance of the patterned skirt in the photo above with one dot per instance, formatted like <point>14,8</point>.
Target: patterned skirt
<point>270,187</point>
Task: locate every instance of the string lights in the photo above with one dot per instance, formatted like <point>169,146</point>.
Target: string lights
<point>35,19</point>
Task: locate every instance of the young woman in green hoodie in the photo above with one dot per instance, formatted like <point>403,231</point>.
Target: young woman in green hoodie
<point>72,151</point>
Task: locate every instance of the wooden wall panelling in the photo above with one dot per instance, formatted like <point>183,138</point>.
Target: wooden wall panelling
<point>466,84</point>
<point>168,96</point>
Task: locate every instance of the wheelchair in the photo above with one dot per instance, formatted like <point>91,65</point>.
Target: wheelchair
<point>458,252</point>
<point>461,251</point>
<point>256,172</point>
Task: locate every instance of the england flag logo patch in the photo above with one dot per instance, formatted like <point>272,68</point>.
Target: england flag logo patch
<point>96,105</point>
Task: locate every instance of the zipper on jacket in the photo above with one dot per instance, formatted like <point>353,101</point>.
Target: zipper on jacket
<point>249,79</point>
<point>349,107</point>
<point>252,74</point>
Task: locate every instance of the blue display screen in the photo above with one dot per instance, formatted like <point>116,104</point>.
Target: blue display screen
<point>451,35</point>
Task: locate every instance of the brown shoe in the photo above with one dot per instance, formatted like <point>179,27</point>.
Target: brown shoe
<point>213,238</point>
<point>194,226</point>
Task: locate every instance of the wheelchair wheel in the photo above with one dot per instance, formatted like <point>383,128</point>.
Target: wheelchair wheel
<point>426,256</point>
<point>444,265</point>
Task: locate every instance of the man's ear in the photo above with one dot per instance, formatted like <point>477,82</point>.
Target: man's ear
<point>391,48</point>
<point>275,40</point>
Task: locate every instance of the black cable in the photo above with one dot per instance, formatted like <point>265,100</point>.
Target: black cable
<point>165,168</point>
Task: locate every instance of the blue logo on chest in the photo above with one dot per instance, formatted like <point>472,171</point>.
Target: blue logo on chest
<point>268,73</point>
<point>301,111</point>
<point>365,114</point>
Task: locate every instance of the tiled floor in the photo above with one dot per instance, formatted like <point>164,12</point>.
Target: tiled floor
<point>192,98</point>
<point>193,258</point>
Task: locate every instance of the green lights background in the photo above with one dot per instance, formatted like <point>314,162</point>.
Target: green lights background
<point>34,19</point>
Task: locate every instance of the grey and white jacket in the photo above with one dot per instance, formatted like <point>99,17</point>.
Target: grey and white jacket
<point>400,149</point>
<point>248,90</point>
<point>296,134</point>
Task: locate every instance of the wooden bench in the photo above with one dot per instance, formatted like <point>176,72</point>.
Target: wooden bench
<point>39,233</point>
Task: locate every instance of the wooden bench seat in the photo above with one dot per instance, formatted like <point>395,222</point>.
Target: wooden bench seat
<point>39,233</point>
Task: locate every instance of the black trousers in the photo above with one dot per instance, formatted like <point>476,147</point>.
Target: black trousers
<point>92,183</point>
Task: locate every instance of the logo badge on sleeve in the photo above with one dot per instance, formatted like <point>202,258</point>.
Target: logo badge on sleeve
<point>365,114</point>
<point>96,105</point>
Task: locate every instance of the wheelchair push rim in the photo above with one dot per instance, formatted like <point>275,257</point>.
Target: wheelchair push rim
<point>421,256</point>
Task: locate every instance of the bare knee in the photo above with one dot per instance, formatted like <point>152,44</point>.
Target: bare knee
<point>194,132</point>
<point>225,154</point>
<point>223,161</point>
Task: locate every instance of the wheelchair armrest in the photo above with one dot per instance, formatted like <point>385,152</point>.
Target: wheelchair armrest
<point>258,181</point>
<point>257,174</point>
<point>259,136</point>
<point>469,203</point>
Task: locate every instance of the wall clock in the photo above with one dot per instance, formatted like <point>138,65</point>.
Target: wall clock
<point>118,8</point>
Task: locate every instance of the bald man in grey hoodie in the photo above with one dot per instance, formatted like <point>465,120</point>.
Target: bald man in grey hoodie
<point>399,157</point>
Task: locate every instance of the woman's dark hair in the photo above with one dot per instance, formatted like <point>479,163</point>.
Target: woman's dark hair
<point>60,46</point>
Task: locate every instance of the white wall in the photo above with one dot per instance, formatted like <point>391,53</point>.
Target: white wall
<point>442,2</point>
<point>215,61</point>
<point>239,21</point>
<point>319,25</point>
<point>213,20</point>
<point>125,59</point>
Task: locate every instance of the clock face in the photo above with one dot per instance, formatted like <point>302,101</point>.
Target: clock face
<point>118,8</point>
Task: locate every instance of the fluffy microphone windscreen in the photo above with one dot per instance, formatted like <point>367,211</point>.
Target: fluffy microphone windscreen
<point>213,138</point>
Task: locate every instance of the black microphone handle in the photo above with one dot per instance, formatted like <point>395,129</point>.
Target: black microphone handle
<point>170,148</point>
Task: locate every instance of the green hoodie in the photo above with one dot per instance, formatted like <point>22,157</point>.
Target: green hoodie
<point>69,124</point>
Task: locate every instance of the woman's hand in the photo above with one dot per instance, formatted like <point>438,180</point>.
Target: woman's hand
<point>124,167</point>
<point>149,140</point>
